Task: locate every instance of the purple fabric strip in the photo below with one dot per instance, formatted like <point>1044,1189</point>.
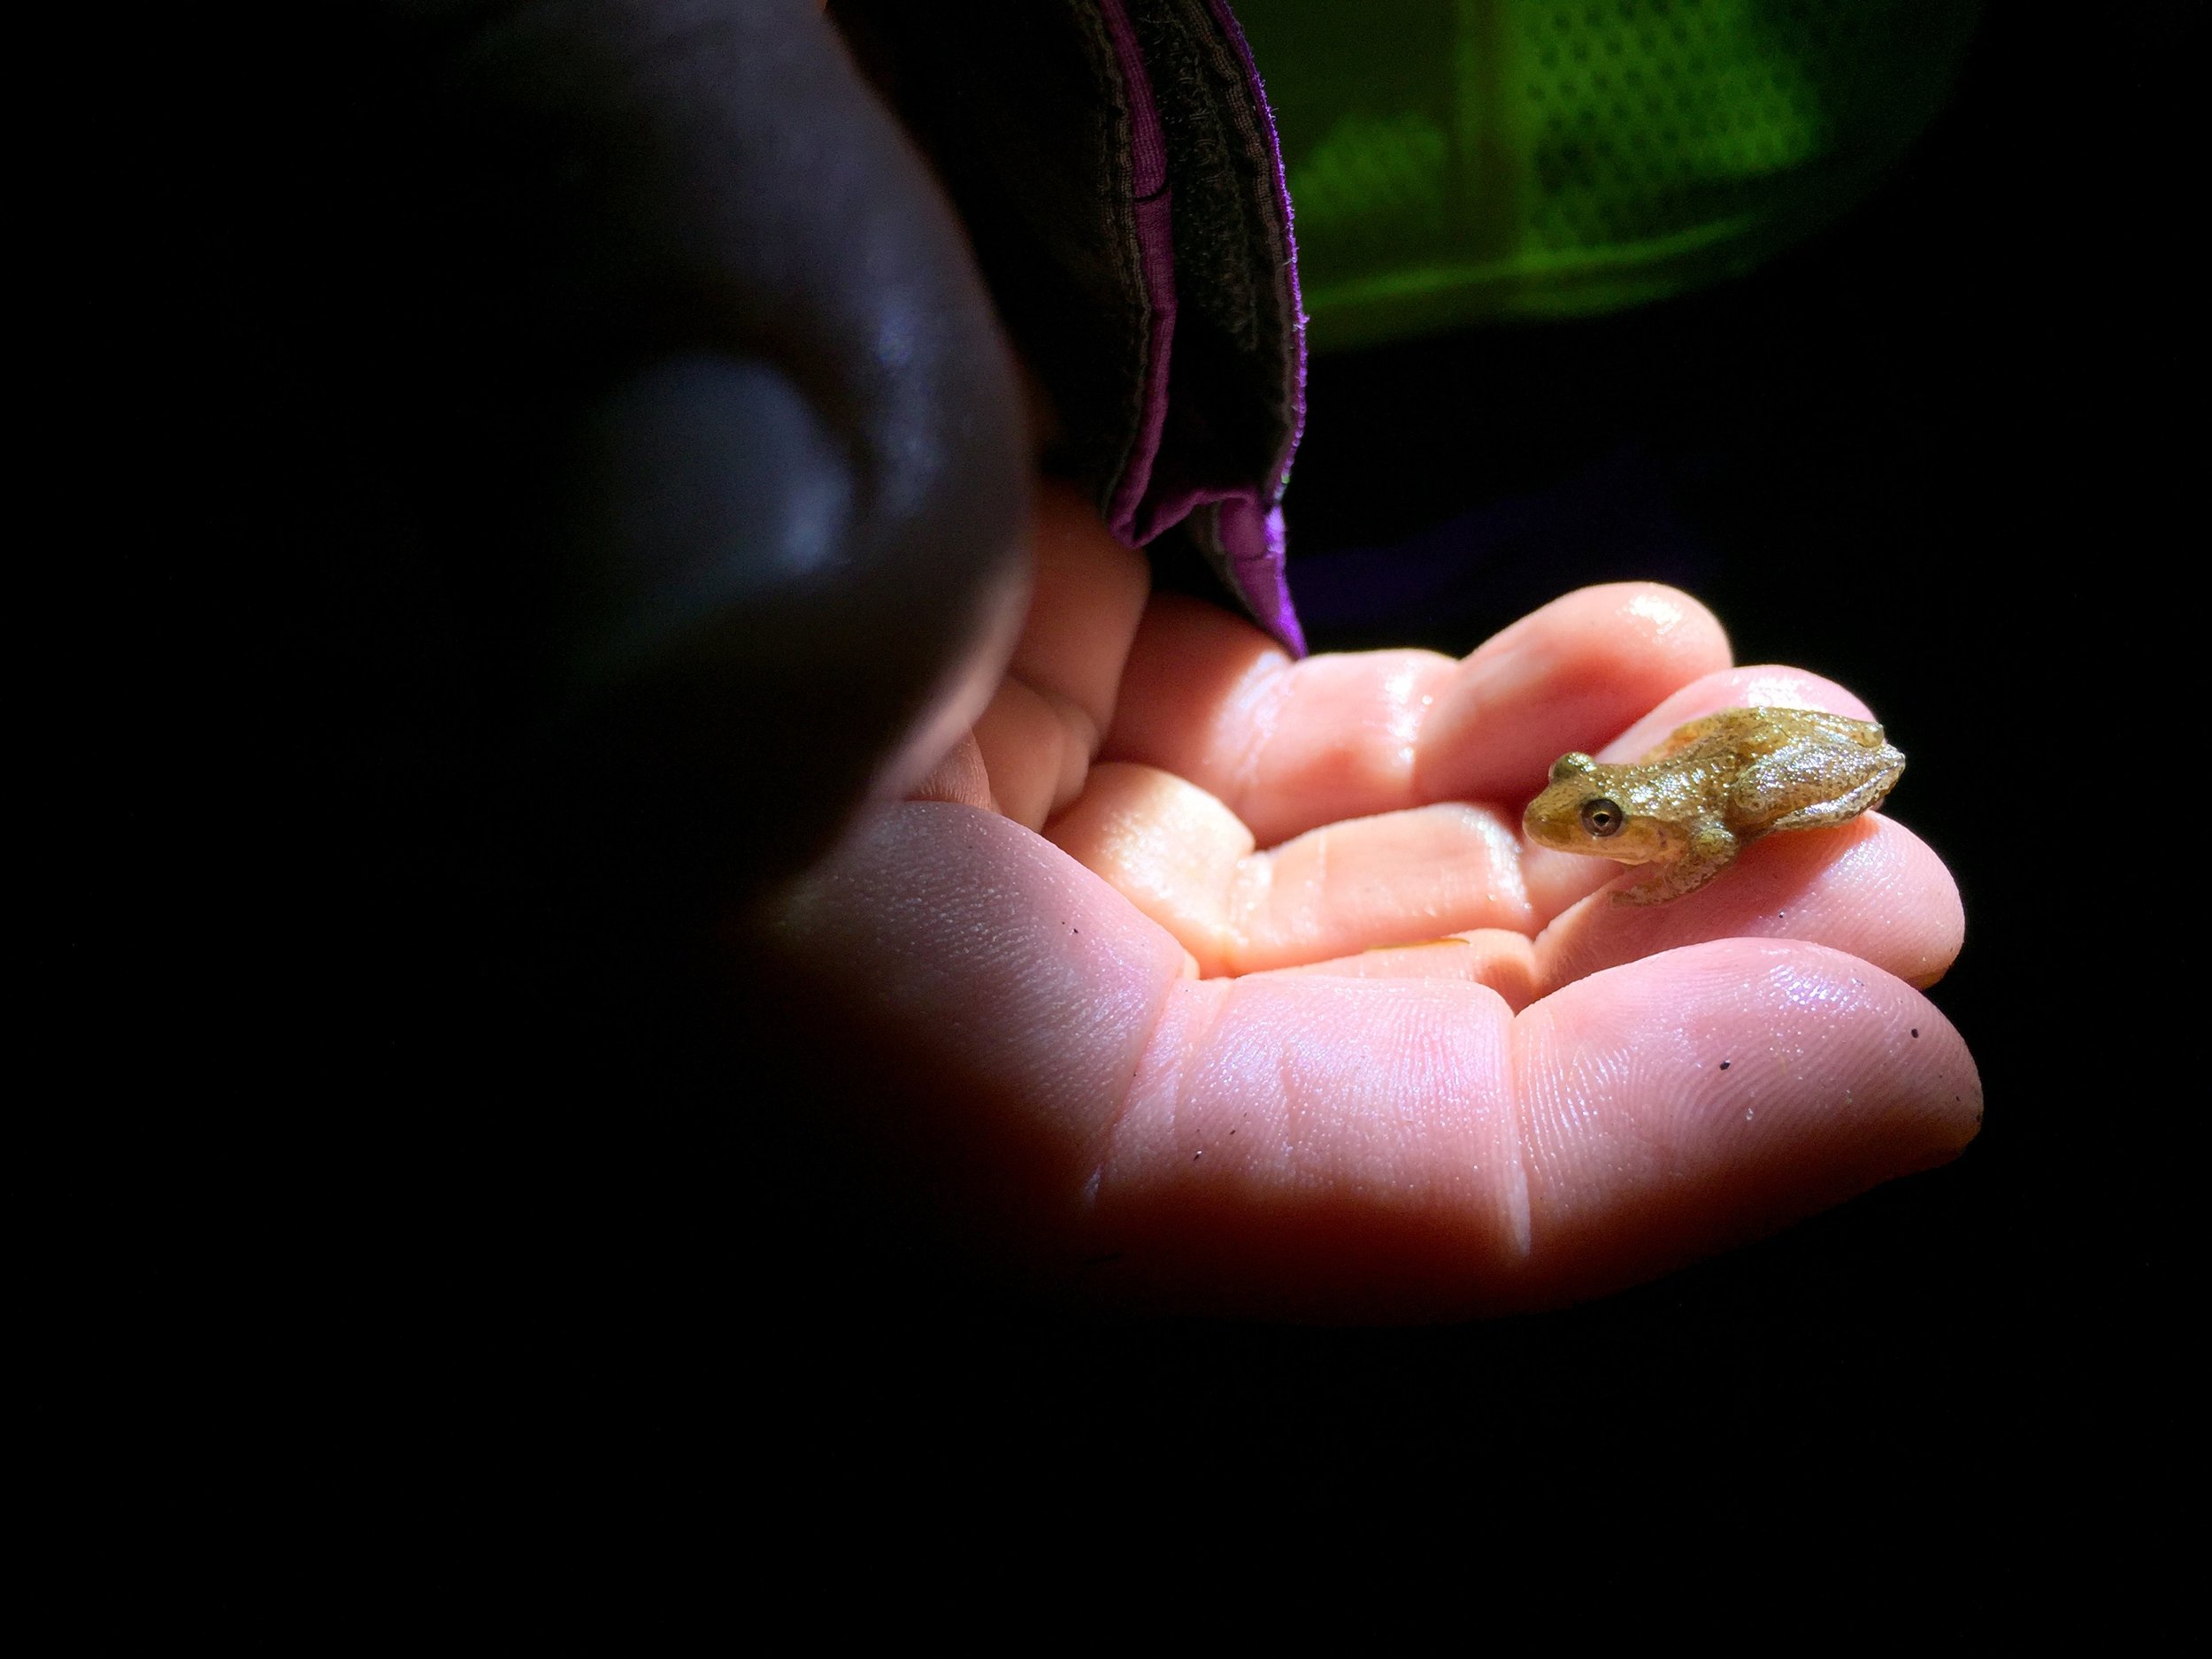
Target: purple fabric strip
<point>1147,142</point>
<point>1258,548</point>
<point>1252,530</point>
<point>1247,526</point>
<point>1253,540</point>
<point>1156,255</point>
<point>1293,305</point>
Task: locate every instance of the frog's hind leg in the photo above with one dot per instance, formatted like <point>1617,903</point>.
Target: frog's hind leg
<point>1862,797</point>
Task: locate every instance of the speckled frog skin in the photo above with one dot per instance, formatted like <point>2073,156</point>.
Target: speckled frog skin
<point>1712,789</point>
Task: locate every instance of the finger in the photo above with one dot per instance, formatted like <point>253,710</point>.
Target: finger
<point>1725,1090</point>
<point>1560,678</point>
<point>1869,889</point>
<point>1044,724</point>
<point>1186,861</point>
<point>1308,1145</point>
<point>1190,863</point>
<point>1361,1150</point>
<point>776,228</point>
<point>633,363</point>
<point>1558,880</point>
<point>1083,609</point>
<point>1288,746</point>
<point>1284,745</point>
<point>960,778</point>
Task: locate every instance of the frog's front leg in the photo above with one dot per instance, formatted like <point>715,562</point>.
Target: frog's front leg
<point>1710,850</point>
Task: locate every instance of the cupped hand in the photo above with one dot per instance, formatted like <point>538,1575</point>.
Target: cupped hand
<point>1200,978</point>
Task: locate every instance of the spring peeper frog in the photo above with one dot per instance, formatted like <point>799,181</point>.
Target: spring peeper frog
<point>1712,789</point>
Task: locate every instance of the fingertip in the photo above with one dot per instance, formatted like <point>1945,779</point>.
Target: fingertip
<point>1167,846</point>
<point>1090,593</point>
<point>1567,676</point>
<point>960,778</point>
<point>1718,1092</point>
<point>1188,657</point>
<point>1869,889</point>
<point>1670,623</point>
<point>707,351</point>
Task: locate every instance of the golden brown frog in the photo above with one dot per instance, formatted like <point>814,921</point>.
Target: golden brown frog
<point>1711,789</point>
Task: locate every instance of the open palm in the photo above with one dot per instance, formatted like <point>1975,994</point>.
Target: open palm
<point>1206,978</point>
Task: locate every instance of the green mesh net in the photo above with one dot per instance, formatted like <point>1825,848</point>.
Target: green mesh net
<point>1457,159</point>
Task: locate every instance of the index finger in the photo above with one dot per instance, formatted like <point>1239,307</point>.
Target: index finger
<point>1288,746</point>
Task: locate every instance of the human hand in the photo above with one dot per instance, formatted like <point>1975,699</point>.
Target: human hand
<point>1200,979</point>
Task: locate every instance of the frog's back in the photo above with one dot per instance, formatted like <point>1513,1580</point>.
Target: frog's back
<point>1748,734</point>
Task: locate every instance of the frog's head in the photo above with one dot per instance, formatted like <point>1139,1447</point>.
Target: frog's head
<point>1581,810</point>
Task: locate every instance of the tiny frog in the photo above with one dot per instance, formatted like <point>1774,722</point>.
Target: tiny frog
<point>1711,789</point>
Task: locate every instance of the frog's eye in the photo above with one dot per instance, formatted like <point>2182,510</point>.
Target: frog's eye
<point>1603,817</point>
